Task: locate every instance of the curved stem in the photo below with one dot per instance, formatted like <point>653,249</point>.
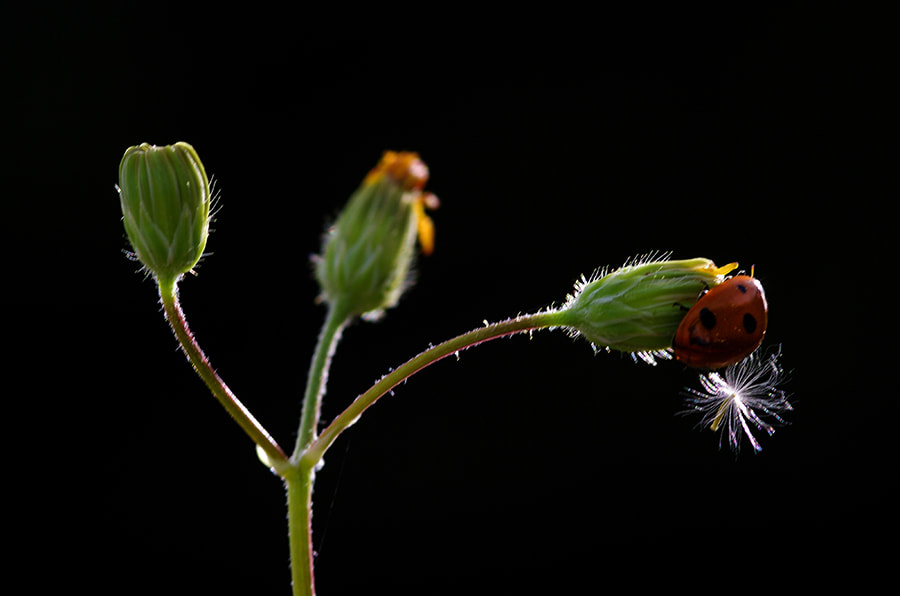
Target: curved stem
<point>316,450</point>
<point>175,316</point>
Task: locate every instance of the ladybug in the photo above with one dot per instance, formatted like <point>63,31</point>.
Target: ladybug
<point>726,324</point>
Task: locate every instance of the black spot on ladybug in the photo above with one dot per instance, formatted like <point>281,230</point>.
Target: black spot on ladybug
<point>749,323</point>
<point>707,318</point>
<point>742,288</point>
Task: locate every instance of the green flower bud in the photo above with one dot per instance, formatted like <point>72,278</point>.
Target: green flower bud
<point>638,308</point>
<point>165,197</point>
<point>367,254</point>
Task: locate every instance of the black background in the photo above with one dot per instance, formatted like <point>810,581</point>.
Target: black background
<point>557,143</point>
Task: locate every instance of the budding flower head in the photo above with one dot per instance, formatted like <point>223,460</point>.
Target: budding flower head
<point>366,256</point>
<point>165,197</point>
<point>638,307</point>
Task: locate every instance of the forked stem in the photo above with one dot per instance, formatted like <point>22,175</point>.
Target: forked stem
<point>298,471</point>
<point>306,458</point>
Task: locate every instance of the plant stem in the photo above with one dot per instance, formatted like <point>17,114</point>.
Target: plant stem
<point>299,485</point>
<point>330,335</point>
<point>310,449</point>
<point>299,479</point>
<point>316,450</point>
<point>175,316</point>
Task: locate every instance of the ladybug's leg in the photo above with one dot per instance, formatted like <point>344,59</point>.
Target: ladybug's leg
<point>685,308</point>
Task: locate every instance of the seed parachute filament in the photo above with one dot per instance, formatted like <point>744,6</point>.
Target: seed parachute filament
<point>745,396</point>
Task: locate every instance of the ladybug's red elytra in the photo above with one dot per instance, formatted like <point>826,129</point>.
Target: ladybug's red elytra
<point>726,324</point>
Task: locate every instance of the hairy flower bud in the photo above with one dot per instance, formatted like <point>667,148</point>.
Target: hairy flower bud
<point>165,197</point>
<point>638,307</point>
<point>367,254</point>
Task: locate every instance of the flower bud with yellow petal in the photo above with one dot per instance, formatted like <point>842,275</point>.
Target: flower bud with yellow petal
<point>638,307</point>
<point>367,254</point>
<point>165,198</point>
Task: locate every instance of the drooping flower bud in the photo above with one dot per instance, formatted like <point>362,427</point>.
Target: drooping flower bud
<point>367,254</point>
<point>165,197</point>
<point>638,307</point>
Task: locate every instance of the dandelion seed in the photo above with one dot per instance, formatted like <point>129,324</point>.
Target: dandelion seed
<point>744,397</point>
